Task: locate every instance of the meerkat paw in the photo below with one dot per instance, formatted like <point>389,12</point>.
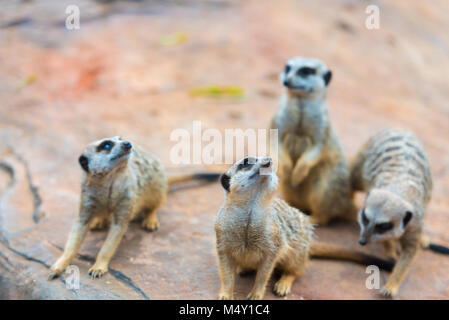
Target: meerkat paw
<point>224,296</point>
<point>282,287</point>
<point>54,273</point>
<point>150,223</point>
<point>97,271</point>
<point>99,223</point>
<point>255,296</point>
<point>388,292</point>
<point>57,269</point>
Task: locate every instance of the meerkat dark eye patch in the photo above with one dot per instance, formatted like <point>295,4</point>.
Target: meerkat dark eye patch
<point>383,227</point>
<point>225,181</point>
<point>365,220</point>
<point>407,218</point>
<point>105,145</point>
<point>287,68</point>
<point>327,77</point>
<point>84,162</point>
<point>305,71</point>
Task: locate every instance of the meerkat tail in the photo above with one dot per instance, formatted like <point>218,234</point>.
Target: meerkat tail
<point>321,250</point>
<point>438,248</point>
<point>210,177</point>
<point>426,244</point>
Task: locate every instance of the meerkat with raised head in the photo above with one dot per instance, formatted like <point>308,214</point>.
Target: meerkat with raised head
<point>314,174</point>
<point>393,169</point>
<point>257,231</point>
<point>121,182</point>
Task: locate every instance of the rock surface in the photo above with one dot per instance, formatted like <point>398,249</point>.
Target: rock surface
<point>61,89</point>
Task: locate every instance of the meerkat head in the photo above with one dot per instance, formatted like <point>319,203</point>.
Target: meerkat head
<point>104,156</point>
<point>305,76</point>
<point>385,215</point>
<point>249,177</point>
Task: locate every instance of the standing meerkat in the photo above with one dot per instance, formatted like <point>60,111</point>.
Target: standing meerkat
<point>314,175</point>
<point>257,231</point>
<point>121,182</point>
<point>393,169</point>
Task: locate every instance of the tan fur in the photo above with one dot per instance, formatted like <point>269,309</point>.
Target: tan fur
<point>115,192</point>
<point>394,171</point>
<point>257,231</point>
<point>314,175</point>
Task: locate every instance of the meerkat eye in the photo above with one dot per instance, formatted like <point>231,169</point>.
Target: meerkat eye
<point>365,220</point>
<point>383,227</point>
<point>305,71</point>
<point>287,68</point>
<point>105,145</point>
<point>245,164</point>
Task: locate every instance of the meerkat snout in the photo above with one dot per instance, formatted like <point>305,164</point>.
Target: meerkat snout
<point>127,145</point>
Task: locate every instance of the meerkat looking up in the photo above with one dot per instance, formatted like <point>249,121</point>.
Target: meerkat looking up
<point>392,168</point>
<point>257,231</point>
<point>121,182</point>
<point>314,175</point>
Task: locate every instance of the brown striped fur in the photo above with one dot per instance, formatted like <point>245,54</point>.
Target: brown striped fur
<point>392,168</point>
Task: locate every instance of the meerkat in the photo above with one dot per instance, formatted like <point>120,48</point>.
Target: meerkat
<point>121,182</point>
<point>314,174</point>
<point>257,231</point>
<point>393,169</point>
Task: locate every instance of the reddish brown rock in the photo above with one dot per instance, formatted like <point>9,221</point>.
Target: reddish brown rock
<point>60,89</point>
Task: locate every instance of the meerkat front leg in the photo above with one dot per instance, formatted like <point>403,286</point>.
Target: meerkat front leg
<point>227,269</point>
<point>263,274</point>
<point>306,162</point>
<point>115,235</point>
<point>76,237</point>
<point>409,244</point>
<point>390,248</point>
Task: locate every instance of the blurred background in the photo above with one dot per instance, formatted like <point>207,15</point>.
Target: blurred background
<point>141,69</point>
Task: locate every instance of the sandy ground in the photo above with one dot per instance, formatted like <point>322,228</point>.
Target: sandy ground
<point>129,71</point>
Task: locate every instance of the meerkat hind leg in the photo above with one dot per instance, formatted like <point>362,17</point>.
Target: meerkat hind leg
<point>289,274</point>
<point>150,221</point>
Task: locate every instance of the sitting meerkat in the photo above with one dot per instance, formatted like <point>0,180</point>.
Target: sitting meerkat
<point>121,182</point>
<point>393,169</point>
<point>257,231</point>
<point>314,175</point>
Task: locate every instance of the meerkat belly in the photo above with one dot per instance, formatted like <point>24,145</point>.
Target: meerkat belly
<point>247,246</point>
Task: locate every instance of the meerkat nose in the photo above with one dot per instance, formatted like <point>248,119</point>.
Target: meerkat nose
<point>266,162</point>
<point>285,83</point>
<point>362,241</point>
<point>127,145</point>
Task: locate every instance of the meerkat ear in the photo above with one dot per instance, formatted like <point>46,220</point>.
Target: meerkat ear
<point>225,181</point>
<point>84,162</point>
<point>327,77</point>
<point>407,218</point>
